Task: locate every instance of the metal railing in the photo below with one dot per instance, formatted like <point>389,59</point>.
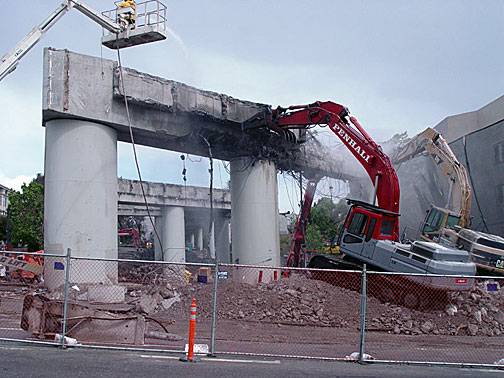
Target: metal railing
<point>364,316</point>
<point>148,13</point>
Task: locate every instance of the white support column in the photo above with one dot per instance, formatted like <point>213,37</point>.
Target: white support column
<point>200,239</point>
<point>211,241</point>
<point>173,231</point>
<point>158,252</point>
<point>254,221</point>
<point>222,240</point>
<point>192,240</point>
<point>80,207</point>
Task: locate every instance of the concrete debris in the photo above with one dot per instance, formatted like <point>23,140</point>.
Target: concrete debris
<point>147,304</point>
<point>70,341</point>
<point>478,316</point>
<point>355,357</point>
<point>106,294</point>
<point>470,313</point>
<point>162,336</point>
<point>427,326</point>
<point>451,309</point>
<point>473,329</point>
<point>167,303</point>
<point>299,300</point>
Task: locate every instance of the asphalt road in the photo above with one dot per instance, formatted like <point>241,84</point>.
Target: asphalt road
<point>40,361</point>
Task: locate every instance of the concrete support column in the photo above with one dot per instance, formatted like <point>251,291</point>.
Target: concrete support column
<point>173,233</point>
<point>192,240</point>
<point>254,221</point>
<point>200,239</point>
<point>222,240</point>
<point>211,241</point>
<point>80,208</point>
<point>158,252</point>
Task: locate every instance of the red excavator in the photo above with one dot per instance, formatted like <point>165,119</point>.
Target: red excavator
<point>131,246</point>
<point>371,230</point>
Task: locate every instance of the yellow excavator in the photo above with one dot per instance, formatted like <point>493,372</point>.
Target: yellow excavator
<point>451,224</point>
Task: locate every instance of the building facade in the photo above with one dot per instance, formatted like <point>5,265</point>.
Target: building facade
<point>4,199</point>
<point>477,139</point>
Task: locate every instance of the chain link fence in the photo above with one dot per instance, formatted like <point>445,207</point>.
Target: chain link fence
<point>287,312</point>
<point>21,288</point>
<point>410,318</point>
<point>252,310</point>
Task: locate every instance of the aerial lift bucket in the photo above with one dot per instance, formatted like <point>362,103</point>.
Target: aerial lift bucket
<point>150,25</point>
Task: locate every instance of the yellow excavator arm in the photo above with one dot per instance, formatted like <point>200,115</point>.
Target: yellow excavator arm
<point>438,149</point>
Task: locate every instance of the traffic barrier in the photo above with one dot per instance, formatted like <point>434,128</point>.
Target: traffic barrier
<point>192,333</point>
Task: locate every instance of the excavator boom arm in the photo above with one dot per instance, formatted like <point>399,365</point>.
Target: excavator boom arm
<point>348,129</point>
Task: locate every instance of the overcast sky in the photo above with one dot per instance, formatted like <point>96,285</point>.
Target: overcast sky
<point>398,65</point>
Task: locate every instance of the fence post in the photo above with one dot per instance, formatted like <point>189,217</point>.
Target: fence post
<point>65,297</point>
<point>363,310</point>
<point>214,311</point>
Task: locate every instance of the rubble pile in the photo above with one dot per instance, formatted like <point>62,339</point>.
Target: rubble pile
<point>475,312</point>
<point>140,273</point>
<point>299,300</point>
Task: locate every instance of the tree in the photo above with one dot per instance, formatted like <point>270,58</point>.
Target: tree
<point>25,216</point>
<point>326,219</point>
<point>3,227</point>
<point>313,238</point>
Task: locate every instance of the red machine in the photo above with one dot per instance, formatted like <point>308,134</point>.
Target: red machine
<point>129,237</point>
<point>370,233</point>
<point>298,236</point>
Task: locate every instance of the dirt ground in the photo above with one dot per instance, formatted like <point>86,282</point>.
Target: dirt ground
<point>303,317</point>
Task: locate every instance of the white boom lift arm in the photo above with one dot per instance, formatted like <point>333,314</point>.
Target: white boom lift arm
<point>9,61</point>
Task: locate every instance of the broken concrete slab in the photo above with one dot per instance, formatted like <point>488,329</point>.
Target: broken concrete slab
<point>170,115</point>
<point>106,294</point>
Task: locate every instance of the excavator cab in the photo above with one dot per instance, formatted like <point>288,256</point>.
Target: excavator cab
<point>364,224</point>
<point>436,220</point>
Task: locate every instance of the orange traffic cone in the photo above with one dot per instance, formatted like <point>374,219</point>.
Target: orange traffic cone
<point>192,333</point>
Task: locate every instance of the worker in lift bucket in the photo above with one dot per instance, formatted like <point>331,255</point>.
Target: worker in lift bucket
<point>126,13</point>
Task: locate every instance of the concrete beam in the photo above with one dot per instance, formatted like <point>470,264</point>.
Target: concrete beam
<point>169,115</point>
<point>160,194</point>
<point>138,211</point>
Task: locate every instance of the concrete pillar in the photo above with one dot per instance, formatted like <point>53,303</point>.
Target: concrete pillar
<point>200,239</point>
<point>80,207</point>
<point>192,240</point>
<point>158,252</point>
<point>254,209</point>
<point>173,231</point>
<point>211,241</point>
<point>222,240</point>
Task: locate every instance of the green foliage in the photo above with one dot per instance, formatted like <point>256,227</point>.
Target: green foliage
<point>327,217</point>
<point>3,227</point>
<point>25,216</point>
<point>314,239</point>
